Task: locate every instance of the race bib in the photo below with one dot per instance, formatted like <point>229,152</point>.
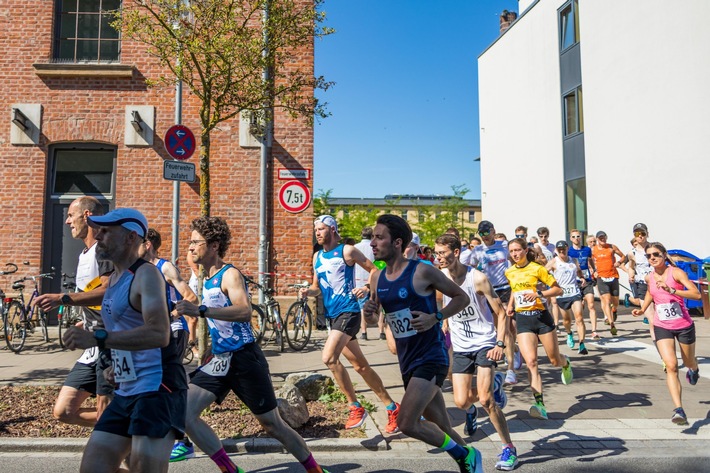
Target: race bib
<point>218,365</point>
<point>90,355</point>
<point>669,311</point>
<point>469,313</point>
<point>401,323</point>
<point>608,279</point>
<point>569,291</point>
<point>520,302</point>
<point>123,368</point>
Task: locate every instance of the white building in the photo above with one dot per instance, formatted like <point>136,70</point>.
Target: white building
<point>633,150</point>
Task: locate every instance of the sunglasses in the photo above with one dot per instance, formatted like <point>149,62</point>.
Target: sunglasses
<point>576,236</point>
<point>522,235</point>
<point>484,234</point>
<point>639,234</point>
<point>655,254</point>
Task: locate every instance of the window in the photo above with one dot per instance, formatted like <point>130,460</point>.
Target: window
<point>576,196</point>
<point>471,216</point>
<point>569,25</point>
<point>420,216</point>
<point>404,214</point>
<point>83,32</point>
<point>83,171</point>
<point>574,117</point>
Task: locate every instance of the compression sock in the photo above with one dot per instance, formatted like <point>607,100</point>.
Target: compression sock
<point>223,461</point>
<point>539,399</point>
<point>392,406</point>
<point>311,465</point>
<point>456,451</point>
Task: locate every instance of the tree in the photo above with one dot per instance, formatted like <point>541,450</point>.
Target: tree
<point>438,218</point>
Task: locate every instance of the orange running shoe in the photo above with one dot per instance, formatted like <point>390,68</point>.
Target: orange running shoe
<point>392,420</point>
<point>356,417</point>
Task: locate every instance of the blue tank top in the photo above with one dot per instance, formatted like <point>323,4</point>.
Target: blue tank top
<point>226,336</point>
<point>337,281</point>
<point>413,349</point>
<point>582,256</point>
<point>173,296</point>
<point>153,367</point>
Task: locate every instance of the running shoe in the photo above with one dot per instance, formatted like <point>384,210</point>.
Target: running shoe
<point>606,321</point>
<point>582,349</point>
<point>318,469</point>
<point>383,336</point>
<point>392,420</point>
<point>510,378</point>
<point>507,460</point>
<point>679,417</point>
<point>645,320</point>
<point>517,361</point>
<point>613,331</point>
<point>472,463</point>
<point>570,340</point>
<point>356,417</point>
<point>499,395</point>
<point>567,372</point>
<point>595,336</point>
<point>181,452</point>
<point>692,376</point>
<point>363,336</point>
<point>627,301</point>
<point>471,424</point>
<point>665,370</point>
<point>538,411</point>
<point>614,314</point>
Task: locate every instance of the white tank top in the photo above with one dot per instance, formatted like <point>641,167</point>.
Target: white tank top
<point>566,275</point>
<point>643,269</point>
<point>473,328</point>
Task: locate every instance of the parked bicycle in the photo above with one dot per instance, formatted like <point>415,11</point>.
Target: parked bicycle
<point>266,317</point>
<point>23,318</point>
<point>298,323</point>
<point>5,301</point>
<point>68,316</point>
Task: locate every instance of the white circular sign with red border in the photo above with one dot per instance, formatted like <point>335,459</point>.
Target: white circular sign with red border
<point>294,197</point>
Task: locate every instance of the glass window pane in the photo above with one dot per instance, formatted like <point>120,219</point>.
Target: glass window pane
<point>87,50</point>
<point>110,5</point>
<point>567,35</point>
<point>404,214</point>
<point>577,204</point>
<point>570,114</point>
<point>580,109</point>
<point>68,6</point>
<point>89,5</point>
<point>83,171</point>
<point>107,31</point>
<point>66,49</point>
<point>88,26</point>
<point>67,27</point>
<point>109,50</point>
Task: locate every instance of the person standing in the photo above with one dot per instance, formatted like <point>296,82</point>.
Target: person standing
<point>668,286</point>
<point>148,408</point>
<point>406,290</point>
<point>583,256</point>
<point>607,277</point>
<point>333,277</point>
<point>238,364</point>
<point>362,278</point>
<point>86,378</point>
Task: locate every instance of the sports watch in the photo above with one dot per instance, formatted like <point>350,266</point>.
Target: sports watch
<point>439,316</point>
<point>500,343</point>
<point>203,310</point>
<point>101,335</point>
<point>66,300</point>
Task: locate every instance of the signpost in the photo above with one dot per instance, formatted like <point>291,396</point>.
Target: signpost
<point>179,142</point>
<point>287,174</point>
<point>177,171</point>
<point>294,197</point>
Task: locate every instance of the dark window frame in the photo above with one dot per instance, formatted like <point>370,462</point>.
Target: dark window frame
<point>55,155</point>
<point>578,97</point>
<point>569,10</point>
<point>101,38</point>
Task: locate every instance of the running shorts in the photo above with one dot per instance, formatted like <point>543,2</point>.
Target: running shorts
<point>539,323</point>
<point>428,371</point>
<point>566,302</point>
<point>347,322</point>
<point>610,287</point>
<point>686,336</point>
<point>466,363</point>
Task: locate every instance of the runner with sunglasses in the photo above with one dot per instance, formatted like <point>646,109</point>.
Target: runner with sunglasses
<point>583,256</point>
<point>667,287</point>
<point>638,268</point>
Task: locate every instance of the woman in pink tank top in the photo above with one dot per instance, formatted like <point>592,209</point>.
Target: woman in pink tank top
<point>667,287</point>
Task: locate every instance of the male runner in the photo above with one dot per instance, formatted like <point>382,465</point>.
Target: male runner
<point>148,408</point>
<point>607,277</point>
<point>333,277</point>
<point>638,269</point>
<point>86,378</point>
<point>238,364</point>
<point>477,347</point>
<point>583,256</point>
<point>406,289</point>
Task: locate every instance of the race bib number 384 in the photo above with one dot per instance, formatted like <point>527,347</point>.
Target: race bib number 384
<point>401,323</point>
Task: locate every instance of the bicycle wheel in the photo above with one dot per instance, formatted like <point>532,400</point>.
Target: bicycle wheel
<point>42,316</point>
<point>188,356</point>
<point>298,325</point>
<point>258,323</point>
<point>62,317</point>
<point>15,328</point>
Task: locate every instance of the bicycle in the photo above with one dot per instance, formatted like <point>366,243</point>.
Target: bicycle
<point>67,316</point>
<point>5,301</point>
<point>298,323</point>
<point>21,318</point>
<point>266,316</point>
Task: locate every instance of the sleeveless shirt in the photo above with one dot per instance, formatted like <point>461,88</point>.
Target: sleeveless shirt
<point>337,281</point>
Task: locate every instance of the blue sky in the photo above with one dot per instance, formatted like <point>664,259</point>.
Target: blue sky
<point>405,103</point>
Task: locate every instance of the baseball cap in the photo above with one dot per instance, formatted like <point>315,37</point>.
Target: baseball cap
<point>485,226</point>
<point>561,244</point>
<point>415,240</point>
<point>128,218</point>
<point>601,233</point>
<point>328,221</point>
<point>640,227</point>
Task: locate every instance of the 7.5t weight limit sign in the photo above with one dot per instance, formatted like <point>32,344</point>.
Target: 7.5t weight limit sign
<point>294,197</point>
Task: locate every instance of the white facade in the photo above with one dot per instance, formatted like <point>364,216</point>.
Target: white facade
<point>645,71</point>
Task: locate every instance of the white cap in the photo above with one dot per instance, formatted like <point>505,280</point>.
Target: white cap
<point>415,239</point>
<point>328,221</point>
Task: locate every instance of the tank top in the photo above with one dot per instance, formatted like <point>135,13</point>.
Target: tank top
<point>581,256</point>
<point>604,261</point>
<point>493,261</point>
<point>643,268</point>
<point>398,299</point>
<point>566,275</point>
<point>547,250</point>
<point>88,277</point>
<point>226,336</point>
<point>336,281</point>
<point>671,312</point>
<point>139,371</point>
<point>173,296</point>
<point>473,328</point>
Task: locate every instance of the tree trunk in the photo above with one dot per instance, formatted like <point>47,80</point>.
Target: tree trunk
<point>203,336</point>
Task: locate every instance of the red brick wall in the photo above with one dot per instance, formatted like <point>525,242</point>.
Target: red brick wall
<point>89,109</point>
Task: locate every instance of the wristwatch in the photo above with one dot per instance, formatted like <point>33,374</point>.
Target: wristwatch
<point>672,290</point>
<point>439,316</point>
<point>66,300</point>
<point>101,335</point>
<point>539,293</point>
<point>203,310</point>
<point>500,343</point>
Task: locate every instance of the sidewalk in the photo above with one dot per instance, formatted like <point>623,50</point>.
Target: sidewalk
<point>618,397</point>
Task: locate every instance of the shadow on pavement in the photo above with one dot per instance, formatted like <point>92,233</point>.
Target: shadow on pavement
<point>563,444</point>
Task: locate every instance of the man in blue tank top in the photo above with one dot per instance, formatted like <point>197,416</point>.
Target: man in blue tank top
<point>147,412</point>
<point>406,289</point>
<point>238,364</point>
<point>333,277</point>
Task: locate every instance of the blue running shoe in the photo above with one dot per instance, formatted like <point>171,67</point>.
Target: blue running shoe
<point>498,394</point>
<point>692,376</point>
<point>517,360</point>
<point>471,424</point>
<point>507,460</point>
<point>472,463</point>
<point>181,452</point>
<point>627,301</point>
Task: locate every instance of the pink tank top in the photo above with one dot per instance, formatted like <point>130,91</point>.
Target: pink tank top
<point>671,313</point>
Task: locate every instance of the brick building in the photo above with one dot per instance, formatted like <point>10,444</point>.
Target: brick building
<point>75,97</point>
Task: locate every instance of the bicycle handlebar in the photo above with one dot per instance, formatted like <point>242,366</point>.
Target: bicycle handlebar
<point>34,278</point>
<point>13,269</point>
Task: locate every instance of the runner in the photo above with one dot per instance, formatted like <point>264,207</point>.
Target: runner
<point>148,408</point>
<point>238,364</point>
<point>406,289</point>
<point>638,268</point>
<point>534,321</point>
<point>667,287</point>
<point>566,271</point>
<point>583,256</point>
<point>477,347</point>
<point>333,277</point>
<point>607,277</point>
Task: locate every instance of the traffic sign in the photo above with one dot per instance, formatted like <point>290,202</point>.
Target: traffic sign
<point>286,174</point>
<point>179,142</point>
<point>177,171</point>
<point>294,197</point>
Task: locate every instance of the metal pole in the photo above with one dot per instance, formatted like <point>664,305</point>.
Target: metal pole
<point>176,184</point>
<point>264,160</point>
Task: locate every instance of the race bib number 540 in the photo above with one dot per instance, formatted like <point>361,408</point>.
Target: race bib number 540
<point>401,323</point>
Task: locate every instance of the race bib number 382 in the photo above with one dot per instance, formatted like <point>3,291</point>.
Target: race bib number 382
<point>401,323</point>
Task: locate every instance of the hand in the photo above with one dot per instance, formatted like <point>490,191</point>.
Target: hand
<point>47,302</point>
<point>108,374</point>
<point>77,338</point>
<point>495,353</point>
<point>303,293</point>
<point>510,311</point>
<point>185,307</point>
<point>421,321</point>
<point>370,308</point>
<point>662,285</point>
<point>530,297</point>
<point>360,292</point>
<point>636,312</point>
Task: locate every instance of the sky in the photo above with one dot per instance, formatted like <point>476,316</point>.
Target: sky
<point>404,108</point>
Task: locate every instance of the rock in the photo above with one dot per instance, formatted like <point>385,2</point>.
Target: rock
<point>311,385</point>
<point>292,406</point>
